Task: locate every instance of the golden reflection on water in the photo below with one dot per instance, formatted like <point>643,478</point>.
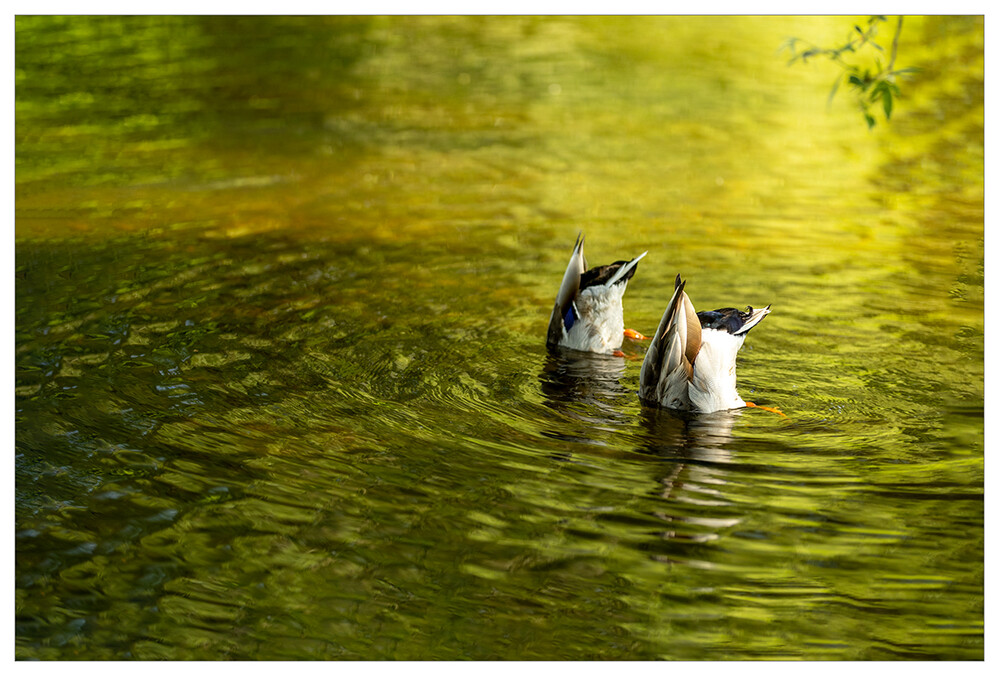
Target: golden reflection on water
<point>419,124</point>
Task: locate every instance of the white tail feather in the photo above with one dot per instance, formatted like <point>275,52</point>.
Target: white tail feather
<point>624,269</point>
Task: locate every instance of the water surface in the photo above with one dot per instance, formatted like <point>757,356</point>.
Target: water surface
<point>281,292</point>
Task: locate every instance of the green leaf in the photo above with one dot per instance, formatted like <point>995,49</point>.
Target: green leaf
<point>886,101</point>
<point>870,120</point>
<point>835,88</point>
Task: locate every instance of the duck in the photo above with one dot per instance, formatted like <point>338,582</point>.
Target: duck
<point>588,315</point>
<point>690,362</point>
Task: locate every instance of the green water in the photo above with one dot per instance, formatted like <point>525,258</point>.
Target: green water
<point>281,391</point>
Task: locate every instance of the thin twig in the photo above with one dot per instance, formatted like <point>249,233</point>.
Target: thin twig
<point>894,46</point>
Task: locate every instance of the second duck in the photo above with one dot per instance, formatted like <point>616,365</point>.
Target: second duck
<point>690,364</point>
<point>588,314</point>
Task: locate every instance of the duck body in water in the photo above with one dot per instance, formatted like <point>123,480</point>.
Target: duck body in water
<point>690,363</point>
<point>589,314</point>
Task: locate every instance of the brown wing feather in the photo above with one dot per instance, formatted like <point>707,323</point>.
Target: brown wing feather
<point>693,331</point>
<point>666,370</point>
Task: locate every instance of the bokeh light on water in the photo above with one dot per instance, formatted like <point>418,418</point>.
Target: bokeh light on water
<point>281,293</point>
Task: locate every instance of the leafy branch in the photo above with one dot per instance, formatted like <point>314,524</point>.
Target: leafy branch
<point>870,86</point>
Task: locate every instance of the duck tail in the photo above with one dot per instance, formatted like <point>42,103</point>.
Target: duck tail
<point>626,270</point>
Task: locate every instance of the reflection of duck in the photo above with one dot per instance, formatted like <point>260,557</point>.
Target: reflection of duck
<point>684,436</point>
<point>581,377</point>
<point>586,392</point>
<point>690,364</point>
<point>588,315</point>
<point>695,507</point>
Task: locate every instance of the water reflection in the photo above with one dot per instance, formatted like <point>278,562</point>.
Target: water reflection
<point>692,484</point>
<point>585,388</point>
<point>570,376</point>
<point>685,435</point>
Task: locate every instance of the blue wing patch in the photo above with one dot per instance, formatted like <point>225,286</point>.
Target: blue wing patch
<point>570,317</point>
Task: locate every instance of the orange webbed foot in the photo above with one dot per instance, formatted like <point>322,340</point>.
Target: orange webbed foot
<point>772,409</point>
<point>634,335</point>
